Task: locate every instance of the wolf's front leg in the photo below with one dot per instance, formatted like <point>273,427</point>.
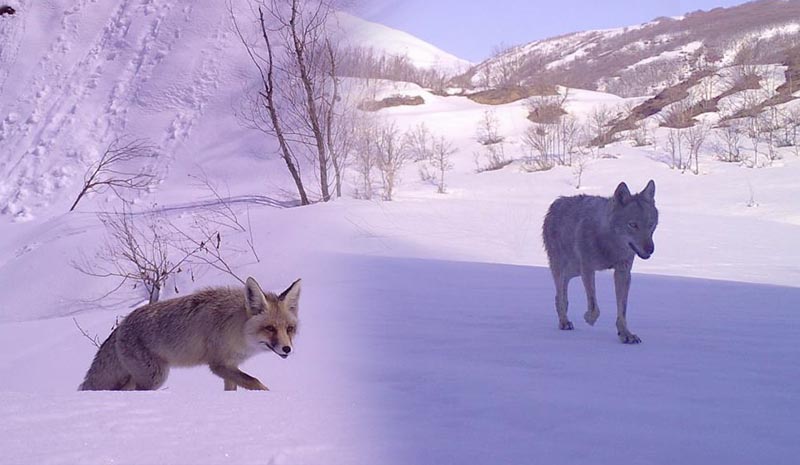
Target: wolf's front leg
<point>593,311</point>
<point>236,377</point>
<point>622,284</point>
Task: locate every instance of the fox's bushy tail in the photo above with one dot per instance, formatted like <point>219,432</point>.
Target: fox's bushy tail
<point>106,372</point>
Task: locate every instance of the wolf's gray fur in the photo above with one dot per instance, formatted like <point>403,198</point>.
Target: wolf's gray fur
<point>584,233</point>
<point>218,327</point>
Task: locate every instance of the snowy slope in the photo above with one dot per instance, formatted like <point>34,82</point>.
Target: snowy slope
<point>428,333</point>
<point>643,59</point>
<point>394,42</point>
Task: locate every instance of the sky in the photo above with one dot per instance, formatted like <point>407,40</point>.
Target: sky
<point>472,29</point>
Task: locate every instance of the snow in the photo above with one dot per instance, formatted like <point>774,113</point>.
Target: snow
<point>684,50</point>
<point>428,333</point>
<point>394,42</point>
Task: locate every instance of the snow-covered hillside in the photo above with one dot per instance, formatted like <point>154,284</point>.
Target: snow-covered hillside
<point>428,333</point>
<point>643,59</point>
<point>361,33</point>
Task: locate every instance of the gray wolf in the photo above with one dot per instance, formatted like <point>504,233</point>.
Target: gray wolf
<point>585,233</point>
<point>218,327</point>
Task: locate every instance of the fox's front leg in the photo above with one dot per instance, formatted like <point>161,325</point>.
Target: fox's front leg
<point>235,377</point>
<point>622,284</point>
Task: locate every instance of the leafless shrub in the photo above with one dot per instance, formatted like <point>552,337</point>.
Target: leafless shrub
<point>599,120</point>
<point>148,249</point>
<point>418,143</point>
<point>442,151</point>
<point>370,64</point>
<point>729,149</point>
<point>506,66</point>
<point>366,158</point>
<point>391,157</point>
<point>488,130</point>
<point>675,145</point>
<point>790,122</point>
<point>553,144</point>
<point>770,126</point>
<point>695,138</point>
<point>491,158</point>
<point>123,166</point>
<point>546,109</point>
<point>541,140</point>
<point>581,161</point>
<point>94,340</point>
<point>752,128</point>
<point>677,116</point>
<point>641,134</point>
<point>427,174</point>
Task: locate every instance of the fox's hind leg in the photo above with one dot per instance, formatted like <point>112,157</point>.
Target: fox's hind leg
<point>593,312</point>
<point>148,372</point>
<point>561,280</point>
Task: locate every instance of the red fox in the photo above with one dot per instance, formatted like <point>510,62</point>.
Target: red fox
<point>218,327</point>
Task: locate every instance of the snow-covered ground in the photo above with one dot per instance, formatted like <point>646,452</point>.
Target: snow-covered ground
<point>428,330</point>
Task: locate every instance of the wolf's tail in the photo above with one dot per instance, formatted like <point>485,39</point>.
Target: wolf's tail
<point>106,372</point>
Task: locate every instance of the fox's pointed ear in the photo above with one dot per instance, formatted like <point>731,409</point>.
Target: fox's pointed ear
<point>255,302</point>
<point>649,191</point>
<point>622,195</point>
<point>292,297</point>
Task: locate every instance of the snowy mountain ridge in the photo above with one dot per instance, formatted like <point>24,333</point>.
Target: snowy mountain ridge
<point>645,58</point>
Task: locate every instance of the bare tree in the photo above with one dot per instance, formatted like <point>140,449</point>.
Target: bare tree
<point>491,157</point>
<point>541,139</point>
<point>148,249</point>
<point>790,121</point>
<point>677,116</point>
<point>641,134</point>
<point>695,138</point>
<point>391,158</point>
<point>579,167</point>
<point>137,249</point>
<point>488,130</point>
<point>419,143</point>
<point>301,102</point>
<point>442,150</point>
<point>507,66</point>
<point>599,119</point>
<point>556,143</point>
<point>547,109</point>
<point>729,149</point>
<point>675,145</point>
<point>752,128</point>
<point>770,125</point>
<point>122,167</point>
<point>263,112</point>
<point>366,156</point>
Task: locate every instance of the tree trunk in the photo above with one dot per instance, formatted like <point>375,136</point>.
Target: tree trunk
<point>311,105</point>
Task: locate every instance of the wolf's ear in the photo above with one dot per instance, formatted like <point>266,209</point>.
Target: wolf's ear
<point>255,302</point>
<point>649,191</point>
<point>292,297</point>
<point>622,195</point>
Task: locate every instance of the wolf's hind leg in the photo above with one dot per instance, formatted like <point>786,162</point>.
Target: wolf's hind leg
<point>237,377</point>
<point>593,311</point>
<point>229,385</point>
<point>562,302</point>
